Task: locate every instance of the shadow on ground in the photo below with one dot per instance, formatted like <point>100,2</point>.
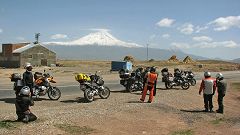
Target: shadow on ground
<point>8,100</point>
<point>193,111</point>
<point>169,89</point>
<point>78,100</point>
<point>41,99</point>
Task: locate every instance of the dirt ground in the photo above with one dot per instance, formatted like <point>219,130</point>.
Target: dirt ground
<point>173,112</point>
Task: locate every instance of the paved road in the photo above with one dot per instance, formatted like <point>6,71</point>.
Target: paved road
<point>113,85</point>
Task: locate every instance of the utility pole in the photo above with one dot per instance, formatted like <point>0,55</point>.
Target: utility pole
<point>37,38</point>
<point>147,52</point>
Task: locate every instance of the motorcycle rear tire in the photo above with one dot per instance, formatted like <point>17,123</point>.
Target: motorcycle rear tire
<point>88,95</point>
<point>193,82</point>
<point>104,94</point>
<point>54,93</point>
<point>185,85</point>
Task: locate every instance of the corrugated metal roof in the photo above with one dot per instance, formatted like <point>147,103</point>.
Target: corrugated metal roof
<point>19,50</point>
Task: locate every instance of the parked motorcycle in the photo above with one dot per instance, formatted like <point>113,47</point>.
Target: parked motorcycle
<point>171,81</point>
<point>190,77</point>
<point>131,81</point>
<point>92,85</point>
<point>43,86</point>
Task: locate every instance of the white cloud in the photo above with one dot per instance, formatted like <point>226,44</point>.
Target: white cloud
<point>186,28</point>
<point>225,23</point>
<point>59,36</point>
<point>180,45</point>
<point>166,22</point>
<point>1,30</point>
<point>199,28</point>
<point>166,36</point>
<point>202,39</point>
<point>202,45</point>
<point>152,36</point>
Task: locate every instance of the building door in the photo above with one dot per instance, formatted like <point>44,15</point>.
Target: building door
<point>44,62</point>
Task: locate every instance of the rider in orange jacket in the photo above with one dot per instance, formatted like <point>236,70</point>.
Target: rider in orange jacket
<point>208,86</point>
<point>149,85</point>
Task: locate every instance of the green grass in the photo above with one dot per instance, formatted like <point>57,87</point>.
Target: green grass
<point>8,124</point>
<point>183,132</point>
<point>218,121</point>
<point>236,86</point>
<point>72,129</point>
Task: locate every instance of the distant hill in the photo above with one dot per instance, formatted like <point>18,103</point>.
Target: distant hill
<point>236,60</point>
<point>96,52</point>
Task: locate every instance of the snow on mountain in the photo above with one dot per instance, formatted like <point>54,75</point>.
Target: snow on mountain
<point>101,38</point>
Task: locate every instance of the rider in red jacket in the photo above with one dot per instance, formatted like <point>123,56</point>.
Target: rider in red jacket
<point>150,84</point>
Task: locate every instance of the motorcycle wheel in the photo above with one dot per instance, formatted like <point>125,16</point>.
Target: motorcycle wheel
<point>105,93</point>
<point>88,95</point>
<point>167,85</point>
<point>54,93</point>
<point>185,85</point>
<point>193,82</point>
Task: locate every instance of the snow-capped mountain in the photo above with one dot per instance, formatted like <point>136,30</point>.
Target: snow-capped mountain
<point>100,38</point>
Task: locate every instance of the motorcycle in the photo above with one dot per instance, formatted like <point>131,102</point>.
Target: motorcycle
<point>131,81</point>
<point>171,81</point>
<point>92,85</point>
<point>190,77</point>
<point>43,86</point>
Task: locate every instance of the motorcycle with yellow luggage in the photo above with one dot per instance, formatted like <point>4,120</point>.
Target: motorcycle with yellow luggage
<point>92,85</point>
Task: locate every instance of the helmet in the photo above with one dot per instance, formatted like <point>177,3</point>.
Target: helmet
<point>153,69</point>
<point>28,66</point>
<point>207,74</point>
<point>219,75</point>
<point>25,91</point>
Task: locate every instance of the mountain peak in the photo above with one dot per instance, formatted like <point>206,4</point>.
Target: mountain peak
<point>101,38</point>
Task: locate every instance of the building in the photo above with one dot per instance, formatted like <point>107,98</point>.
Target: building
<point>16,55</point>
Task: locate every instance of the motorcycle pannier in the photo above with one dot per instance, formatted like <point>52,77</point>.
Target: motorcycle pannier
<point>15,77</point>
<point>18,85</point>
<point>82,77</point>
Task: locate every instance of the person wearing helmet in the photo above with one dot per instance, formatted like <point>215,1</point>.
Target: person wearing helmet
<point>221,89</point>
<point>22,104</point>
<point>28,77</point>
<point>208,86</point>
<point>149,85</point>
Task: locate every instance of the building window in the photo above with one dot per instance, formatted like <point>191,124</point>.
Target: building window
<point>30,56</point>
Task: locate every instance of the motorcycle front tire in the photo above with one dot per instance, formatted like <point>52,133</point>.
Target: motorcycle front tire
<point>185,85</point>
<point>167,85</point>
<point>54,93</point>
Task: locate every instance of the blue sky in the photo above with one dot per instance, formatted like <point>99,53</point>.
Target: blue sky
<point>209,28</point>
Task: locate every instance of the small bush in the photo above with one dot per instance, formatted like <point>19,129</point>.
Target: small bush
<point>183,132</point>
<point>129,58</point>
<point>72,129</point>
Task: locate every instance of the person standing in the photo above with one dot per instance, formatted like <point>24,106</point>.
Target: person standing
<point>149,85</point>
<point>22,104</point>
<point>28,77</point>
<point>221,89</point>
<point>208,86</point>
